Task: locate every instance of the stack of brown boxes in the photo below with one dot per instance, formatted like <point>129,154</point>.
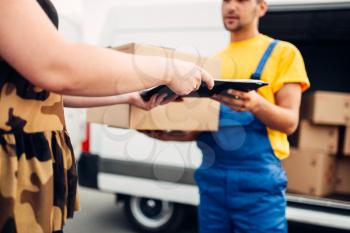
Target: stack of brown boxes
<point>313,167</point>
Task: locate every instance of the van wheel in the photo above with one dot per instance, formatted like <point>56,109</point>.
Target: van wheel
<point>154,216</point>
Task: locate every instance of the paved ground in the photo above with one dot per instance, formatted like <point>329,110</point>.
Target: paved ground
<point>100,214</point>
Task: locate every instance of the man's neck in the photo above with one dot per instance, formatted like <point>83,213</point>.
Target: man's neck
<point>244,34</point>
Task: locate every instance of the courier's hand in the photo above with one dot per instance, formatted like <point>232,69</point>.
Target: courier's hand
<point>158,99</point>
<point>183,136</point>
<point>240,101</point>
<point>186,77</point>
<point>157,134</point>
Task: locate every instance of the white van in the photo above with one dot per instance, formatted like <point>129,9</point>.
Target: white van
<point>154,179</point>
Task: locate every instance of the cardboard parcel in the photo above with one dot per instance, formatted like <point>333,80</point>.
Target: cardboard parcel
<point>327,108</point>
<point>319,137</point>
<point>342,185</point>
<point>310,172</point>
<point>195,114</point>
<point>346,146</point>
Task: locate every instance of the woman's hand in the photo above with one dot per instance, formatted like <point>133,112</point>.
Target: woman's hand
<point>158,99</point>
<point>186,77</point>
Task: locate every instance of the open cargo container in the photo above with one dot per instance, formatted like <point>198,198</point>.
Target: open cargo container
<point>322,33</point>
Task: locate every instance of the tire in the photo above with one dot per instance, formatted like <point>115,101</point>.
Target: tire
<point>154,216</point>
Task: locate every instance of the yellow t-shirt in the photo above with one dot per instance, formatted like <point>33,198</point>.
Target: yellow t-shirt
<point>285,65</point>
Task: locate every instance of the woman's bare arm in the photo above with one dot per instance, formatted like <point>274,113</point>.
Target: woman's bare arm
<point>89,102</point>
<point>133,98</point>
<point>30,43</point>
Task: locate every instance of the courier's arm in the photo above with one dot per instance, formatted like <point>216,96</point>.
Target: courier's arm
<point>282,116</point>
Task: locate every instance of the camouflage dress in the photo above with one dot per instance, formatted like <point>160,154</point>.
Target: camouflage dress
<point>38,178</point>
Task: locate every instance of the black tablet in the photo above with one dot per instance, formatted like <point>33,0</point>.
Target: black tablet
<point>220,87</point>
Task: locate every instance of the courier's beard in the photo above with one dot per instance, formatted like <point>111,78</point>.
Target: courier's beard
<point>235,28</point>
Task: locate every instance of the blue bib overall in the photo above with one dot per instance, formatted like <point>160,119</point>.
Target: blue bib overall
<point>241,181</point>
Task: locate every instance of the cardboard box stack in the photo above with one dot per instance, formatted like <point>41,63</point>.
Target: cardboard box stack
<point>327,108</point>
<point>314,166</point>
<point>197,114</point>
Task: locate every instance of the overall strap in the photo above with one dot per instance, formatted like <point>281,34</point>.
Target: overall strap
<point>262,63</point>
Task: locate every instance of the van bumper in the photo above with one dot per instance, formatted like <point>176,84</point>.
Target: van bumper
<point>88,169</point>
